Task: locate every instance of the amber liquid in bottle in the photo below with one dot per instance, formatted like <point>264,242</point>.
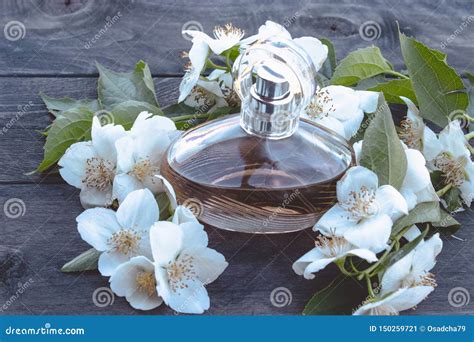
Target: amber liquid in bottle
<point>236,181</point>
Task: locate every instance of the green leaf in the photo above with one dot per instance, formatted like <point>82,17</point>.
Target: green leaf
<point>116,87</point>
<point>399,254</point>
<point>59,106</point>
<point>86,261</point>
<point>359,65</point>
<point>447,224</point>
<point>438,88</point>
<point>335,299</point>
<point>329,65</point>
<point>382,151</point>
<point>126,112</point>
<point>178,109</point>
<point>423,212</point>
<point>67,129</point>
<point>453,199</point>
<point>393,89</point>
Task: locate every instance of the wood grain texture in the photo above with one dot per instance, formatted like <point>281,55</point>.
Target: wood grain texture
<point>52,56</point>
<point>66,37</point>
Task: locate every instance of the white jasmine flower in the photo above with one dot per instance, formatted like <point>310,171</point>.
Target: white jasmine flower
<point>91,165</point>
<point>407,282</point>
<point>417,187</point>
<point>454,161</point>
<point>123,234</point>
<point>415,134</point>
<point>328,250</point>
<point>268,30</point>
<point>365,212</point>
<point>197,62</point>
<point>341,109</point>
<point>225,37</point>
<point>313,46</point>
<point>135,280</point>
<point>140,153</point>
<point>184,265</point>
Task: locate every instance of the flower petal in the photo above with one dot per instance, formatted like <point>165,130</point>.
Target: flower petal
<point>315,49</point>
<point>453,141</point>
<point>91,197</point>
<point>335,221</point>
<point>372,233</point>
<point>368,100</point>
<point>183,215</point>
<point>197,56</point>
<point>391,202</point>
<point>192,298</point>
<point>315,258</point>
<point>124,184</point>
<point>125,154</point>
<point>417,175</point>
<point>96,226</point>
<point>365,254</point>
<point>168,188</point>
<point>138,211</point>
<point>410,297</point>
<point>73,163</point>
<point>109,261</point>
<point>352,125</point>
<point>104,138</point>
<point>356,178</point>
<point>166,239</point>
<point>208,264</point>
<point>124,283</point>
<point>424,258</point>
<point>343,102</point>
<point>395,275</point>
<point>194,235</point>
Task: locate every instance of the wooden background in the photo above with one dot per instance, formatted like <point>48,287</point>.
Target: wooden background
<point>52,58</point>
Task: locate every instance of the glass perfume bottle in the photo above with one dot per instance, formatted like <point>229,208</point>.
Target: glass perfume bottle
<point>263,170</point>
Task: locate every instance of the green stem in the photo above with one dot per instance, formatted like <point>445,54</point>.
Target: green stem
<point>395,73</point>
<point>369,286</point>
<point>354,268</point>
<point>340,264</point>
<point>469,136</point>
<point>211,64</point>
<point>444,190</point>
<point>227,60</point>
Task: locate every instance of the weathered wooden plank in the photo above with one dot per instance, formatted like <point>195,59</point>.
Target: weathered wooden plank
<point>66,37</point>
<point>38,243</point>
<point>22,112</point>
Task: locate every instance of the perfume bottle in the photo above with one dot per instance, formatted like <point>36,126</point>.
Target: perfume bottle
<point>263,170</point>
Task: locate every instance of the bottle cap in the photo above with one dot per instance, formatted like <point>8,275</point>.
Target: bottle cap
<point>275,80</point>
